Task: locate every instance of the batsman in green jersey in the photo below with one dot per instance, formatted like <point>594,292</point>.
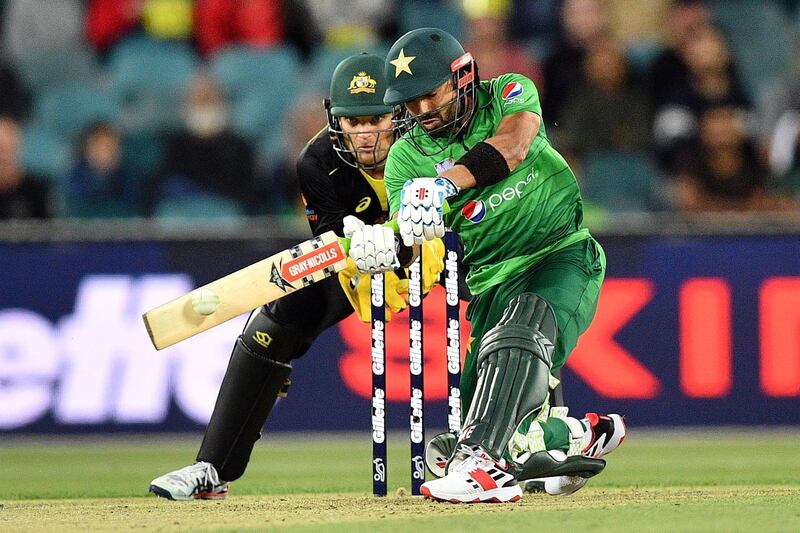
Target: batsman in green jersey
<point>534,272</point>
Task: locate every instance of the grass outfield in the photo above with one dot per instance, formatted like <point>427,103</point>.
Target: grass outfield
<point>732,481</point>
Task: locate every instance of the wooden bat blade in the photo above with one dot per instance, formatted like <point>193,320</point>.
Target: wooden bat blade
<point>246,289</point>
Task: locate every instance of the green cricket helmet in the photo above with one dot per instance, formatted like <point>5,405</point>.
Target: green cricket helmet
<point>357,87</point>
<point>419,62</point>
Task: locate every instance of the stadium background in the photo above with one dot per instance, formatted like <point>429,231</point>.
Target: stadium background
<point>698,323</point>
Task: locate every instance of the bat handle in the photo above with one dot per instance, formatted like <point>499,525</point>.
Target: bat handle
<point>345,242</point>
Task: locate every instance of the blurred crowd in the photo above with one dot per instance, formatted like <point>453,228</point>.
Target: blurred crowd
<point>184,108</point>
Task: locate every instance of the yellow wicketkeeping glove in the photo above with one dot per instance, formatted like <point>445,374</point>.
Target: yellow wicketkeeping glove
<point>432,263</point>
<point>356,286</point>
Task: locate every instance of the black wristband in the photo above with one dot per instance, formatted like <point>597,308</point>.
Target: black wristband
<point>486,164</point>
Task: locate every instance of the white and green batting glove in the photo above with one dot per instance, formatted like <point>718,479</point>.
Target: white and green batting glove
<point>372,246</point>
<point>421,202</point>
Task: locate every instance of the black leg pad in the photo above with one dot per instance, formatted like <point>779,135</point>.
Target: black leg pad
<point>246,396</point>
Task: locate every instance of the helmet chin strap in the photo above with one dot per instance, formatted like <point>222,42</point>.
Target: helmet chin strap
<point>372,166</point>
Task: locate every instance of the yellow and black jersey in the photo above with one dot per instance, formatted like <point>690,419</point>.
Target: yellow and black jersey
<point>333,189</point>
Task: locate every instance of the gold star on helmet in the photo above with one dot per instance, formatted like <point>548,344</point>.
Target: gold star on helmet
<point>401,64</point>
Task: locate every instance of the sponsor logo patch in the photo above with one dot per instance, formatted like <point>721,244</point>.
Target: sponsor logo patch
<point>312,262</point>
<point>263,338</point>
<point>444,165</point>
<point>363,204</point>
<point>311,215</point>
<point>275,277</point>
<point>474,211</point>
<point>512,92</point>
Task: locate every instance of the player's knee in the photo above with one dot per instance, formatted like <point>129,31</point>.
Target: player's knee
<point>266,337</point>
<point>532,310</point>
<point>528,324</point>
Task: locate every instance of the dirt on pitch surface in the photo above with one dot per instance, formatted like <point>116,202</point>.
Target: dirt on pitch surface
<point>676,509</point>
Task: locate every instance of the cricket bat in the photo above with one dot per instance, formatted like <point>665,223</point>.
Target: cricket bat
<point>246,289</point>
<point>249,288</point>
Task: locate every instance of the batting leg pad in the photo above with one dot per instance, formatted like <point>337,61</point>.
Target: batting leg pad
<point>248,392</point>
<point>265,337</point>
<point>513,374</point>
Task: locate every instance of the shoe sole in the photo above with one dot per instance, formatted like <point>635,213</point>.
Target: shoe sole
<point>534,486</point>
<point>544,486</point>
<point>163,493</point>
<point>498,495</point>
<point>210,495</point>
<point>576,484</point>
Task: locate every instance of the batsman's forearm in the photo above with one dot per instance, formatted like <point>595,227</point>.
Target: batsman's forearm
<point>461,176</point>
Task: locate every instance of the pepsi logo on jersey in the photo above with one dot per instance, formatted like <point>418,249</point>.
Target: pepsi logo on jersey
<point>474,211</point>
<point>512,93</point>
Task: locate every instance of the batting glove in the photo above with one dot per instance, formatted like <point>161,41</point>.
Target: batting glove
<point>372,247</point>
<point>420,215</point>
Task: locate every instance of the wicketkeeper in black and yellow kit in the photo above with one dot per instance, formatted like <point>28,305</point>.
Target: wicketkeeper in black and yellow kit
<point>341,178</point>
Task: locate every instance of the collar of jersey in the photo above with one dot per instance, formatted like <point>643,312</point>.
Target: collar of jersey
<point>379,188</point>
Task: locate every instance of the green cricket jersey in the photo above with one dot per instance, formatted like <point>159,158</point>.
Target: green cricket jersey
<point>508,227</point>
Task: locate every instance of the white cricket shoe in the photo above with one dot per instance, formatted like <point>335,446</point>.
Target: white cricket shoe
<point>477,478</point>
<point>199,481</point>
<point>606,434</point>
